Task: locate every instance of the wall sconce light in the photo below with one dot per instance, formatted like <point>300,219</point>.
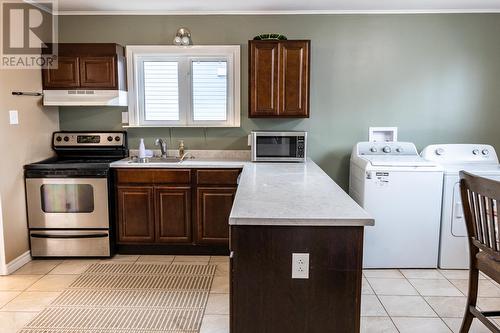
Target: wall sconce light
<point>183,37</point>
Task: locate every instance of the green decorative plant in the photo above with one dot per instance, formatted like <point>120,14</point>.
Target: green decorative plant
<point>270,37</point>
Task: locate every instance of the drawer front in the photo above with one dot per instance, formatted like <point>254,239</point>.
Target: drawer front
<point>153,176</point>
<point>217,176</point>
<point>163,176</point>
<point>90,243</point>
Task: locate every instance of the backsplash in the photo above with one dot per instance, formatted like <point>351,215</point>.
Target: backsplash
<point>231,155</point>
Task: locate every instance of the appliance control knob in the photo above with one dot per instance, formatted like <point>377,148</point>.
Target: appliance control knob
<point>110,138</point>
<point>486,152</point>
<point>373,149</point>
<point>440,151</point>
<point>66,139</point>
<point>387,149</point>
<point>58,139</point>
<point>117,138</point>
<point>399,150</point>
<point>475,151</point>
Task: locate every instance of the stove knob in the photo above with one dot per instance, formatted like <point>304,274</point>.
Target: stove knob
<point>387,149</point>
<point>58,139</point>
<point>66,139</point>
<point>486,152</point>
<point>475,151</point>
<point>373,149</point>
<point>110,138</point>
<point>399,150</point>
<point>117,138</point>
<point>440,151</point>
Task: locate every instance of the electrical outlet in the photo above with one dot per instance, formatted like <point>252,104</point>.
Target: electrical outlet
<point>300,265</point>
<point>13,117</point>
<point>124,117</point>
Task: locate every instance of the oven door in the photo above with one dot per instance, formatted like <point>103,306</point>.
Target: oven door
<point>288,147</point>
<point>60,203</point>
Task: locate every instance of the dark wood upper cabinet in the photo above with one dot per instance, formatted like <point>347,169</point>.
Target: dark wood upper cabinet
<point>279,79</point>
<point>97,72</point>
<point>294,76</point>
<point>135,214</point>
<point>173,214</point>
<point>66,75</point>
<point>213,208</point>
<point>264,81</point>
<point>87,66</point>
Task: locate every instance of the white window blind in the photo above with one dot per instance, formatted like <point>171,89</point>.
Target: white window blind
<point>161,91</point>
<point>209,95</point>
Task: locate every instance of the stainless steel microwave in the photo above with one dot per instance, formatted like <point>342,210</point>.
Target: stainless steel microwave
<point>269,146</point>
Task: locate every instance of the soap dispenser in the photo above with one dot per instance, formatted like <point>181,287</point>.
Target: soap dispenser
<point>142,149</point>
<point>181,148</point>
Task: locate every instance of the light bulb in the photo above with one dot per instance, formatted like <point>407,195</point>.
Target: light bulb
<point>185,40</point>
<point>177,40</point>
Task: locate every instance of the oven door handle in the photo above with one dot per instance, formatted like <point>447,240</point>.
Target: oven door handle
<point>94,235</point>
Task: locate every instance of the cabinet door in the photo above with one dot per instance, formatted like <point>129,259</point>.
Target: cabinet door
<point>294,79</point>
<point>66,75</point>
<point>173,214</point>
<point>213,209</point>
<point>263,85</point>
<point>98,72</point>
<point>135,214</point>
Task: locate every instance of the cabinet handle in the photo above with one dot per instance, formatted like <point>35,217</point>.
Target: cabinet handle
<point>65,236</point>
<point>231,255</point>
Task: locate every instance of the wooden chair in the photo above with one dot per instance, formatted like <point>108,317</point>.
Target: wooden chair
<point>480,199</point>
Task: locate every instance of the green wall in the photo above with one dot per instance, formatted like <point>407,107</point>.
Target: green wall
<point>436,77</point>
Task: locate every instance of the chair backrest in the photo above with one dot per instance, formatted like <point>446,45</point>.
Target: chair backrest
<point>480,199</point>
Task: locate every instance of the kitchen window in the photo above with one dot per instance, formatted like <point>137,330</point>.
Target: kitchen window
<point>175,86</point>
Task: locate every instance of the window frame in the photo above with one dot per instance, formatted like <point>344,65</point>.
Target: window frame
<point>186,55</point>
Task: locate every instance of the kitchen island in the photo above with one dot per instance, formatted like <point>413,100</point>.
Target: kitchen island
<point>280,209</point>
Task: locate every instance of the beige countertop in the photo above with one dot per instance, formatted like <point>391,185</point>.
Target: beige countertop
<point>281,194</point>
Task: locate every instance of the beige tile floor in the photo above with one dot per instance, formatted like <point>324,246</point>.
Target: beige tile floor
<point>421,300</point>
<point>404,301</point>
<point>36,284</point>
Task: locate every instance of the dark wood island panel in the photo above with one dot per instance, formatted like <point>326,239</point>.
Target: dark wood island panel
<point>265,298</point>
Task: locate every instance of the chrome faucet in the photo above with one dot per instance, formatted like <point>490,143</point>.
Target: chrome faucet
<point>163,146</point>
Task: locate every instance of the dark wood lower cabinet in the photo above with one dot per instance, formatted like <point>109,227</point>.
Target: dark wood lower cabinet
<point>264,297</point>
<point>173,214</point>
<point>214,206</point>
<point>135,214</point>
<point>174,211</point>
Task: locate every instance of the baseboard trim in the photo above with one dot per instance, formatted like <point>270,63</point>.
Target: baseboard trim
<point>17,263</point>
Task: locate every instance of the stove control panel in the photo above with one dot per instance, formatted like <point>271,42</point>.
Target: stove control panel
<point>95,139</point>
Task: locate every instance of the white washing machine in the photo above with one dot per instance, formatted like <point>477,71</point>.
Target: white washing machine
<point>478,159</point>
<point>402,191</point>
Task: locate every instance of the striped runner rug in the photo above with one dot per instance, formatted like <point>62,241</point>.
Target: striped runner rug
<point>128,297</point>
